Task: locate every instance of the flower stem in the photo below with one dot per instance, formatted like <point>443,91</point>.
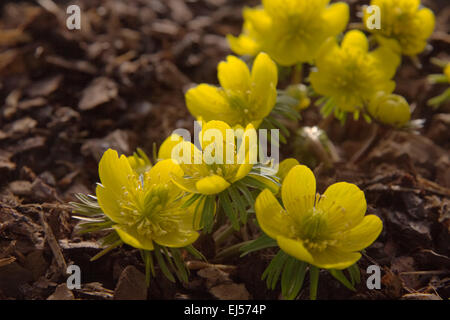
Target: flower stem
<point>297,75</point>
<point>313,282</point>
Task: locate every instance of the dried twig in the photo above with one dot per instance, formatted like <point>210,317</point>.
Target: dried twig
<point>53,243</point>
<point>6,261</point>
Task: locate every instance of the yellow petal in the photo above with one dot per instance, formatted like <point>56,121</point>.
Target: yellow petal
<point>355,39</point>
<point>427,22</point>
<point>272,219</point>
<point>298,191</point>
<point>165,150</point>
<point>207,102</point>
<point>256,22</point>
<point>264,82</point>
<point>392,44</point>
<point>131,237</point>
<point>321,83</point>
<point>211,185</point>
<point>214,131</point>
<point>108,201</point>
<point>334,258</point>
<point>328,48</point>
<point>294,248</point>
<point>243,171</point>
<point>190,158</point>
<point>178,238</point>
<point>114,172</point>
<point>186,184</point>
<point>336,17</point>
<point>243,45</point>
<point>163,173</point>
<point>345,205</point>
<point>234,74</point>
<point>247,153</point>
<point>363,235</point>
<point>285,166</point>
<point>385,61</point>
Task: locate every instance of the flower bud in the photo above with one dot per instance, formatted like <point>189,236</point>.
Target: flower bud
<point>300,93</point>
<point>390,109</point>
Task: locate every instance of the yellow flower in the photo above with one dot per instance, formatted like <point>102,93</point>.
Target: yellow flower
<point>290,31</point>
<point>146,208</point>
<point>326,231</point>
<point>244,97</point>
<point>404,26</point>
<point>390,109</point>
<point>350,74</point>
<point>220,163</point>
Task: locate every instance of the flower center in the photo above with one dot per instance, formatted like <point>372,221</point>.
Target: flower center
<point>313,231</point>
<point>150,211</point>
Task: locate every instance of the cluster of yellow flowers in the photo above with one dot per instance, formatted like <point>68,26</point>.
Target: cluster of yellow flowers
<point>348,75</point>
<point>166,205</point>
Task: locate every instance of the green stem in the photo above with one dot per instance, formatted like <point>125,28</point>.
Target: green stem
<point>298,74</point>
<point>313,282</point>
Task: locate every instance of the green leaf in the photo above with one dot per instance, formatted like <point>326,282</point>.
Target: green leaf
<point>263,242</point>
<point>328,107</point>
<point>87,205</point>
<point>207,219</point>
<point>367,118</point>
<point>106,250</point>
<point>313,281</point>
<point>193,251</point>
<point>181,267</point>
<point>239,202</point>
<point>287,277</point>
<point>162,264</point>
<point>273,270</point>
<point>355,274</point>
<point>437,101</point>
<point>247,194</point>
<point>292,278</point>
<point>229,210</point>
<point>144,156</point>
<point>254,183</point>
<point>340,276</point>
<point>191,200</point>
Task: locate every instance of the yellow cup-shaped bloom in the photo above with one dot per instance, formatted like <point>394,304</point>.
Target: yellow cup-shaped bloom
<point>244,97</point>
<point>404,26</point>
<point>226,156</point>
<point>144,210</point>
<point>350,74</point>
<point>326,231</point>
<point>290,31</point>
<point>390,109</point>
